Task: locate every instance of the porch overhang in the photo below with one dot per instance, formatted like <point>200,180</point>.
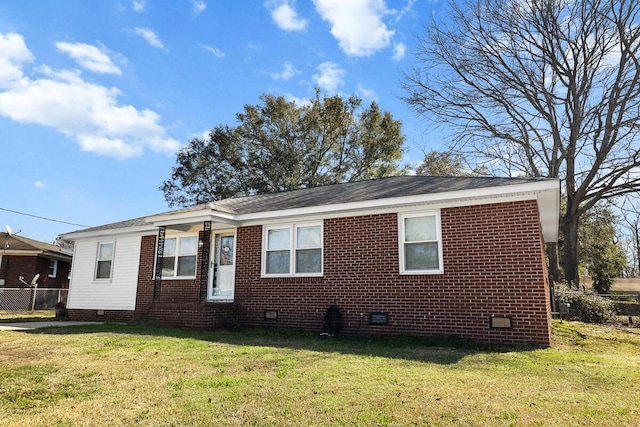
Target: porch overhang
<point>184,220</point>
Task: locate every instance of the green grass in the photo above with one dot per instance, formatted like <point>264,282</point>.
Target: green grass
<point>31,316</point>
<point>137,375</point>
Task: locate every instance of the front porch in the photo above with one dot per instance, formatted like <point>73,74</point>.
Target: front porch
<point>193,276</point>
<point>194,315</point>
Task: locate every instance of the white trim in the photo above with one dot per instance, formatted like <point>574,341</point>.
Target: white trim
<point>55,268</point>
<point>178,237</point>
<point>139,230</point>
<point>293,233</point>
<point>213,260</point>
<point>401,242</point>
<point>113,257</point>
<point>193,217</point>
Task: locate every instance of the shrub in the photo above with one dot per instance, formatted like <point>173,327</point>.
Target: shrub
<point>586,305</point>
<point>627,308</point>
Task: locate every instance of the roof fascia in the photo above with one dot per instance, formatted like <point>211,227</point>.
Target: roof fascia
<point>18,252</point>
<point>194,217</point>
<point>81,235</point>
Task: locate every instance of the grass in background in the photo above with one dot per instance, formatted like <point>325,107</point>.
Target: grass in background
<point>27,316</point>
<point>137,375</point>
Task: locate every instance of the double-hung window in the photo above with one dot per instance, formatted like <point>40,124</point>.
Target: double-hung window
<point>179,257</point>
<point>420,243</point>
<point>292,250</point>
<point>104,262</point>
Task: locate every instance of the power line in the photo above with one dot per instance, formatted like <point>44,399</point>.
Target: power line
<point>44,218</point>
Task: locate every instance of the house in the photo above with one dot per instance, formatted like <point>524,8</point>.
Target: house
<point>26,258</point>
<point>408,255</point>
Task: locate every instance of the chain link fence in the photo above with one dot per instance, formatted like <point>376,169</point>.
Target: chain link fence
<point>29,299</point>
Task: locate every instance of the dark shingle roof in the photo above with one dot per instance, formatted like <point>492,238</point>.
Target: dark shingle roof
<point>398,186</point>
<point>21,243</point>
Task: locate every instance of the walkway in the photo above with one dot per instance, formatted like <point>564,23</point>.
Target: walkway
<point>26,326</point>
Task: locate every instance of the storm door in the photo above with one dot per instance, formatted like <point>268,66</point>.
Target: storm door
<point>222,267</point>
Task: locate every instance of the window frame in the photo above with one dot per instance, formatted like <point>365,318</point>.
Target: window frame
<point>99,260</point>
<point>177,255</point>
<point>292,248</point>
<point>53,263</point>
<point>402,243</point>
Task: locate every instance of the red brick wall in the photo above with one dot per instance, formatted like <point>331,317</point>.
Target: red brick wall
<point>493,260</point>
<point>28,266</point>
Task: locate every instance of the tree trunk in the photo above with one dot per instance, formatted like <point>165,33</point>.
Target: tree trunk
<point>554,263</point>
<point>636,235</point>
<point>570,250</point>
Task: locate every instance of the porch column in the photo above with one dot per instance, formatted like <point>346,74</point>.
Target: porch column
<point>159,254</point>
<point>204,259</point>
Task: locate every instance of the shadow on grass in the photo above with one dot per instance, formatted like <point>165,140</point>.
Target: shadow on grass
<point>440,349</point>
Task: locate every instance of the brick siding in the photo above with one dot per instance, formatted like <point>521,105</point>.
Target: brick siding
<point>494,264</point>
<point>28,266</point>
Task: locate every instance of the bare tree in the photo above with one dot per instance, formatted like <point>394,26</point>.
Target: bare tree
<point>541,88</point>
<point>630,215</point>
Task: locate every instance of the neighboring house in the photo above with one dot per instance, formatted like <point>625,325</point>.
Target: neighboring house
<point>23,257</point>
<point>410,255</point>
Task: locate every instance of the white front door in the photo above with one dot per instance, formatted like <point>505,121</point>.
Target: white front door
<point>222,270</point>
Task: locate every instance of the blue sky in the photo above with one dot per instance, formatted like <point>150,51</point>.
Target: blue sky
<point>97,96</point>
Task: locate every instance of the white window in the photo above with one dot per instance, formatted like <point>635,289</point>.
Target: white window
<point>292,250</point>
<point>420,243</point>
<point>104,263</point>
<point>179,257</point>
<point>53,268</point>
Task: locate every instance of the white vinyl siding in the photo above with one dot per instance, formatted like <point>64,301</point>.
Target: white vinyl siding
<point>117,293</point>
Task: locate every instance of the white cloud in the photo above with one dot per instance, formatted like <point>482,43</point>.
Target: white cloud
<point>285,16</point>
<point>150,36</point>
<point>13,54</point>
<point>366,93</point>
<point>138,5</point>
<point>216,52</point>
<point>287,72</point>
<point>198,6</point>
<point>40,184</point>
<point>330,77</point>
<point>89,57</point>
<point>300,102</point>
<point>87,112</point>
<point>357,24</point>
<point>399,51</point>
<point>405,10</point>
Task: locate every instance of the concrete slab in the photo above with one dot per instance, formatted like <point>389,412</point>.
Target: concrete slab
<point>26,326</point>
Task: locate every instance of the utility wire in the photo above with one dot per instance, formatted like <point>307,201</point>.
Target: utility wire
<point>44,218</point>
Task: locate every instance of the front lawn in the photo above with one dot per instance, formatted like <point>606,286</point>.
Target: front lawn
<point>137,375</point>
